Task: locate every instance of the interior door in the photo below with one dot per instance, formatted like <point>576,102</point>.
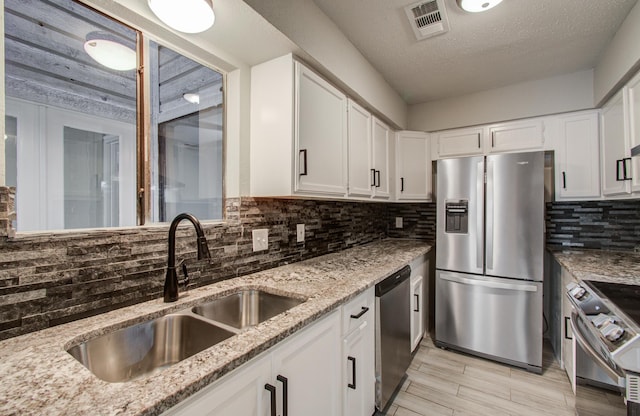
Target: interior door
<point>515,216</point>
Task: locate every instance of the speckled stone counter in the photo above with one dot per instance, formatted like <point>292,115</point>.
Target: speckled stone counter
<point>600,265</point>
<point>38,376</point>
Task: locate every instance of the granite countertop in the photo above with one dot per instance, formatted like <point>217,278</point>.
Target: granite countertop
<point>38,376</point>
<point>600,265</point>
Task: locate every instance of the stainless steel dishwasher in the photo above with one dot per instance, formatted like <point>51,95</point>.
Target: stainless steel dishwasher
<point>393,334</point>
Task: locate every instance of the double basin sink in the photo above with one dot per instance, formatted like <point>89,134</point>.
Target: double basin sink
<point>143,348</point>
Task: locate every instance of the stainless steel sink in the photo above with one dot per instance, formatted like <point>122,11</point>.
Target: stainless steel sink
<point>245,308</point>
<point>140,349</point>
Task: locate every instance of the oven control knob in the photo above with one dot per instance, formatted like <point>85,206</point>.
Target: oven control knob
<point>578,292</point>
<point>612,332</point>
<point>601,319</point>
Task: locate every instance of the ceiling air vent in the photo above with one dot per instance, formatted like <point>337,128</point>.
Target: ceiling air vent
<point>427,18</point>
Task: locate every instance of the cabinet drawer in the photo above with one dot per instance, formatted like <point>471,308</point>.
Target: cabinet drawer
<point>357,311</point>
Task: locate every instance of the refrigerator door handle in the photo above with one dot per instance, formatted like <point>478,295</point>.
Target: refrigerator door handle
<point>479,215</point>
<point>488,283</point>
<point>489,221</point>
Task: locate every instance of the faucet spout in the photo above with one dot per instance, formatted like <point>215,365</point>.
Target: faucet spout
<point>171,280</point>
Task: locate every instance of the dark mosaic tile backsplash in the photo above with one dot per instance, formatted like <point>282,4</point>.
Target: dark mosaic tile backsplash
<point>608,225</point>
<point>50,279</point>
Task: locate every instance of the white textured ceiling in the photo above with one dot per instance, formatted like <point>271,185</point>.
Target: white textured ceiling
<point>517,41</point>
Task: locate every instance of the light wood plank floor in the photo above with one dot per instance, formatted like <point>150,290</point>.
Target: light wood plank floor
<point>443,382</point>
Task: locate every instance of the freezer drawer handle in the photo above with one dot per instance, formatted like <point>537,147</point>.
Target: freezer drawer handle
<point>285,394</point>
<point>495,285</point>
<point>353,373</point>
<point>362,312</point>
<point>272,394</point>
<point>417,309</point>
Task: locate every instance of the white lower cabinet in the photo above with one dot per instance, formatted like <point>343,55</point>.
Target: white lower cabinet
<point>306,370</point>
<point>358,357</point>
<point>303,373</point>
<point>417,313</point>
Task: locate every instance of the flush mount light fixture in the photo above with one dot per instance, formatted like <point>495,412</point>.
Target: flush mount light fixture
<point>188,16</point>
<point>108,50</point>
<point>192,98</point>
<point>476,6</point>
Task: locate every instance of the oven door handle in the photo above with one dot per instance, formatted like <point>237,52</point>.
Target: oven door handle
<point>591,352</point>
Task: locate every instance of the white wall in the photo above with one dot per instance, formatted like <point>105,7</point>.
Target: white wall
<point>620,60</point>
<point>306,25</point>
<point>558,94</point>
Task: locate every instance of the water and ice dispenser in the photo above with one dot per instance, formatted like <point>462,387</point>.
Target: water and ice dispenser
<point>457,217</point>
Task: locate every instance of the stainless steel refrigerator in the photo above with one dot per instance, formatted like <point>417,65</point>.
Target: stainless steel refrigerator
<point>489,256</point>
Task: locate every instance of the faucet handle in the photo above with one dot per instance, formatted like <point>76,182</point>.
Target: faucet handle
<point>186,275</point>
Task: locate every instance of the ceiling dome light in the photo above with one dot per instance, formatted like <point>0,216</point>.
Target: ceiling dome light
<point>108,50</point>
<point>188,16</point>
<point>475,6</point>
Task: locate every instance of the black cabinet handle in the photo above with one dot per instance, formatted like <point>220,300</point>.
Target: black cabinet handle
<point>566,326</point>
<point>285,394</point>
<point>618,178</point>
<point>303,152</point>
<point>624,168</point>
<point>417,309</point>
<point>378,175</point>
<point>373,177</point>
<point>564,180</point>
<point>362,312</point>
<point>272,394</point>
<point>401,184</point>
<point>479,141</point>
<point>353,373</point>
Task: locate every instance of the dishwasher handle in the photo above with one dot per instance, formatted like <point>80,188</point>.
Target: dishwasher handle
<point>388,284</point>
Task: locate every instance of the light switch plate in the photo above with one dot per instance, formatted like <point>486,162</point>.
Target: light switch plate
<point>398,222</point>
<point>260,239</point>
<point>300,233</point>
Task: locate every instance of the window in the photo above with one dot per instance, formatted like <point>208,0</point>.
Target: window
<point>71,122</point>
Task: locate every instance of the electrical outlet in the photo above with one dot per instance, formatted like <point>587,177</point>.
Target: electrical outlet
<point>260,239</point>
<point>398,222</point>
<point>300,233</point>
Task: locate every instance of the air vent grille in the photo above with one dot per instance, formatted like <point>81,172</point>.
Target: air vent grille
<point>427,18</point>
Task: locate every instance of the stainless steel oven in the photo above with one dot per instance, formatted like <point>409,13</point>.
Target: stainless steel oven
<point>607,355</point>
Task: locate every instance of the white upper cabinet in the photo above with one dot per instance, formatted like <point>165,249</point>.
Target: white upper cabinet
<point>577,156</point>
<point>380,159</point>
<point>413,166</point>
<point>298,132</point>
<point>459,142</point>
<point>633,99</point>
<point>616,169</point>
<point>361,174</point>
<point>516,136</point>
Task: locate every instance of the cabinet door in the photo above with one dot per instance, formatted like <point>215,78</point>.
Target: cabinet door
<point>239,393</point>
<point>522,135</point>
<point>465,142</point>
<point>613,146</point>
<point>321,135</point>
<point>359,371</point>
<point>361,174</point>
<point>417,313</point>
<point>381,134</point>
<point>579,173</point>
<point>633,89</point>
<point>568,343</point>
<point>413,166</point>
<point>311,364</point>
